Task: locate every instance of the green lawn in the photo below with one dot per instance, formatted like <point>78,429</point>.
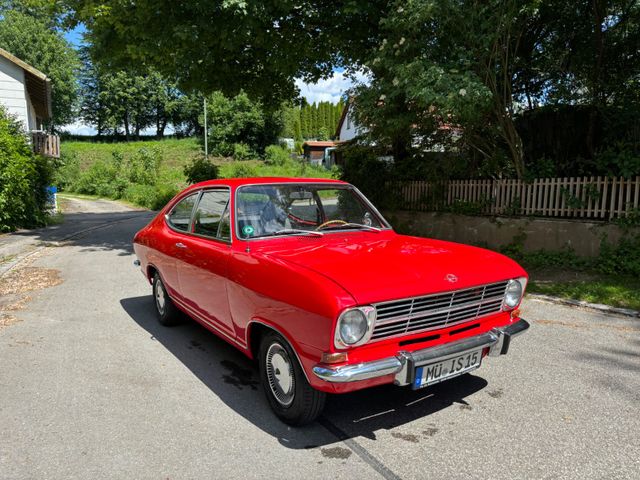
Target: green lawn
<point>616,291</point>
<point>175,152</point>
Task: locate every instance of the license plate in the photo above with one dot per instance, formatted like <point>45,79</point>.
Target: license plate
<point>452,367</point>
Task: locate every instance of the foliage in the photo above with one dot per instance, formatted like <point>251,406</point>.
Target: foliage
<point>230,45</point>
<point>23,178</point>
<point>311,121</point>
<point>67,170</point>
<point>242,170</point>
<point>616,291</point>
<point>480,66</point>
<point>137,178</point>
<point>153,197</point>
<point>175,152</point>
<point>622,258</point>
<point>449,91</point>
<point>581,140</point>
<point>276,155</point>
<point>242,151</point>
<point>130,101</point>
<point>239,126</point>
<point>199,170</point>
<point>369,173</point>
<point>36,41</point>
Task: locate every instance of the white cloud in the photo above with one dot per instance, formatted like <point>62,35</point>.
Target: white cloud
<point>79,128</point>
<point>330,89</point>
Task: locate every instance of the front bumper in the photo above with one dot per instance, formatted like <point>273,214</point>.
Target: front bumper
<point>403,364</point>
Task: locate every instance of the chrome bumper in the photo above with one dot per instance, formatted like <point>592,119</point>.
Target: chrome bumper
<point>404,363</point>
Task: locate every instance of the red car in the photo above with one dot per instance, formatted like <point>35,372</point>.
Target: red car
<point>307,277</point>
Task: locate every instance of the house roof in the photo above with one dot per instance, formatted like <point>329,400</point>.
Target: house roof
<point>37,83</point>
<point>315,143</point>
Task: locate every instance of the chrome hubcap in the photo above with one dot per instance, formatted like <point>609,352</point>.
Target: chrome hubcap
<point>160,298</point>
<point>280,374</point>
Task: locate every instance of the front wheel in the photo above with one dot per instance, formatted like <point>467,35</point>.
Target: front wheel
<point>283,381</point>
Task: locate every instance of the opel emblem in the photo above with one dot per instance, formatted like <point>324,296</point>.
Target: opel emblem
<point>451,278</point>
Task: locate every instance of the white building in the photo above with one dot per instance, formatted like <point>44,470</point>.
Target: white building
<point>26,93</point>
<point>347,128</point>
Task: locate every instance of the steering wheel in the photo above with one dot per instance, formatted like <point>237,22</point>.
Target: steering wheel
<point>330,222</point>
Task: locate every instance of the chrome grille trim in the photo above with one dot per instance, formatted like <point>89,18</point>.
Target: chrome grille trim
<point>430,312</point>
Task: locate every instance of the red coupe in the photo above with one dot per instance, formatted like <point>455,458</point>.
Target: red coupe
<point>307,277</point>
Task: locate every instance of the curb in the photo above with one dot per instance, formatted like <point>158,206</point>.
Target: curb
<point>48,244</point>
<point>627,312</point>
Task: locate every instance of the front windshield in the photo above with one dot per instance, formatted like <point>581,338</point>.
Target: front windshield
<point>295,209</point>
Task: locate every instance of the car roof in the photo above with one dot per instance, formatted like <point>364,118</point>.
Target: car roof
<point>237,182</point>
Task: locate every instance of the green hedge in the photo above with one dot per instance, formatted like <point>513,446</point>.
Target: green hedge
<point>23,178</point>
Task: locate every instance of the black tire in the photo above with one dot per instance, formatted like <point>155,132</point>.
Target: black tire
<point>301,403</point>
<point>168,313</point>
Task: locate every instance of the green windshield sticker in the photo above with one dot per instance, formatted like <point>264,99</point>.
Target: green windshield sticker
<point>247,230</point>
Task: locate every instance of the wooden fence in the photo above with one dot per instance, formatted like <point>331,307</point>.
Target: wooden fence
<point>573,197</point>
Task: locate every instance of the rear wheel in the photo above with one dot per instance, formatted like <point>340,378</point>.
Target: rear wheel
<point>168,314</point>
<point>283,381</point>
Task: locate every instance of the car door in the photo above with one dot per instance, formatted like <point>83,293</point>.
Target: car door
<point>171,247</point>
<point>202,269</point>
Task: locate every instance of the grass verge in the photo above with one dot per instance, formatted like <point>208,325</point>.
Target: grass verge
<point>616,291</point>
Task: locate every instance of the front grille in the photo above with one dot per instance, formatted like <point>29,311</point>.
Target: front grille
<point>419,314</point>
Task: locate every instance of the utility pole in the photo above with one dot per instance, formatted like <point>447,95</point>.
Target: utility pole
<point>206,131</point>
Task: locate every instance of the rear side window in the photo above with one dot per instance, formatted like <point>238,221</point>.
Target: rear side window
<point>210,219</point>
<point>180,215</point>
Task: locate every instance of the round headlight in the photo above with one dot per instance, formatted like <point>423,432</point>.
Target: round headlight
<point>353,326</point>
<point>513,294</point>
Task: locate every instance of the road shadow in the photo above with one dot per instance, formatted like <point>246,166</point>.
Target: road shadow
<point>80,229</point>
<point>234,379</point>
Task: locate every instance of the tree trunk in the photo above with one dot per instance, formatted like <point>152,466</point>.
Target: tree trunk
<point>126,127</point>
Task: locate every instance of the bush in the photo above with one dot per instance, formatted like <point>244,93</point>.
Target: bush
<point>276,155</point>
<point>102,179</point>
<point>242,170</point>
<point>143,166</point>
<point>241,151</point>
<point>199,170</point>
<point>153,197</point>
<point>23,178</point>
<point>620,259</point>
<point>364,169</point>
<point>136,180</point>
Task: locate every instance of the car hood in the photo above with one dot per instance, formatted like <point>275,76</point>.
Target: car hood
<point>378,267</point>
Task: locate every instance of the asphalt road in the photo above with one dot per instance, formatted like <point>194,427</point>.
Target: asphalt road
<point>91,386</point>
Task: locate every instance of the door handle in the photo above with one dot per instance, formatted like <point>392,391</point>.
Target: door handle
<point>181,245</point>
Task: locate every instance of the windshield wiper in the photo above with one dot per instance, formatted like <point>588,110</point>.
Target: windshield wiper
<point>353,225</point>
<point>293,231</point>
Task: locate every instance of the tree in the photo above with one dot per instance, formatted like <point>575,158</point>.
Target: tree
<point>133,101</point>
<point>42,46</point>
<point>239,120</point>
<point>229,45</point>
<point>443,65</point>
